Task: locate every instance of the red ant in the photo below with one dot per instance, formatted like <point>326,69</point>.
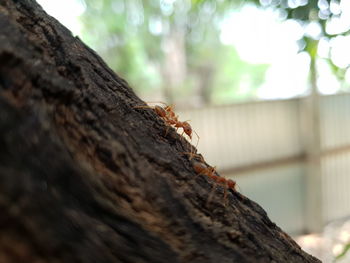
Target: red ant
<point>168,115</point>
<point>187,129</point>
<point>161,112</point>
<point>201,169</point>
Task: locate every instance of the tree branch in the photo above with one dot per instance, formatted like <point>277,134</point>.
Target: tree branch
<point>87,177</point>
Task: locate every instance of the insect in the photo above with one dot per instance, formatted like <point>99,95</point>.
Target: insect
<point>187,129</point>
<point>170,118</point>
<point>167,113</point>
<point>160,111</point>
<point>202,169</point>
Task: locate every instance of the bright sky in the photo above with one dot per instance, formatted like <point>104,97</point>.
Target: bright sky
<point>256,42</point>
<point>65,11</point>
<point>264,39</point>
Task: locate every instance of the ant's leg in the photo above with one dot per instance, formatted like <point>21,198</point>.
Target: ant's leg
<point>197,138</point>
<point>192,154</point>
<point>194,148</point>
<point>182,137</point>
<point>168,124</point>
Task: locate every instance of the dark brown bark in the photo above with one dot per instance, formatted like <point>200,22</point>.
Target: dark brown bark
<point>85,177</point>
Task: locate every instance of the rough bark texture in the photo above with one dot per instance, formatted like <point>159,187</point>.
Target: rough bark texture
<point>86,177</point>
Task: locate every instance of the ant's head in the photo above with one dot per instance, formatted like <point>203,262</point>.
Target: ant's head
<point>187,129</point>
<point>231,184</point>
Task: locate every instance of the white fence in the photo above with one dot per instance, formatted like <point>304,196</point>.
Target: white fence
<point>262,146</point>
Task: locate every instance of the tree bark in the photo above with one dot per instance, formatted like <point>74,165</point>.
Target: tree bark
<point>87,177</point>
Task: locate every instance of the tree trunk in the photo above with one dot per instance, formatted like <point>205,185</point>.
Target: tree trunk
<point>87,177</point>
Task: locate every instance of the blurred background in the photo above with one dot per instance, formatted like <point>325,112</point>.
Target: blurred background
<point>265,85</point>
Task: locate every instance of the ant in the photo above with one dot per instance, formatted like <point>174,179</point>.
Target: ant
<point>168,115</point>
<point>202,169</point>
<point>160,111</point>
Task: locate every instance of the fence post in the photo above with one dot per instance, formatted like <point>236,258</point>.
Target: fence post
<point>313,209</point>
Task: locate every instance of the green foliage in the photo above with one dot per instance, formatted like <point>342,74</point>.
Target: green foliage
<point>320,13</point>
<point>311,47</point>
<point>133,37</point>
<point>125,34</point>
<point>343,253</point>
<point>234,82</point>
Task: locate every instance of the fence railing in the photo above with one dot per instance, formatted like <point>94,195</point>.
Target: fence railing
<point>262,145</point>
